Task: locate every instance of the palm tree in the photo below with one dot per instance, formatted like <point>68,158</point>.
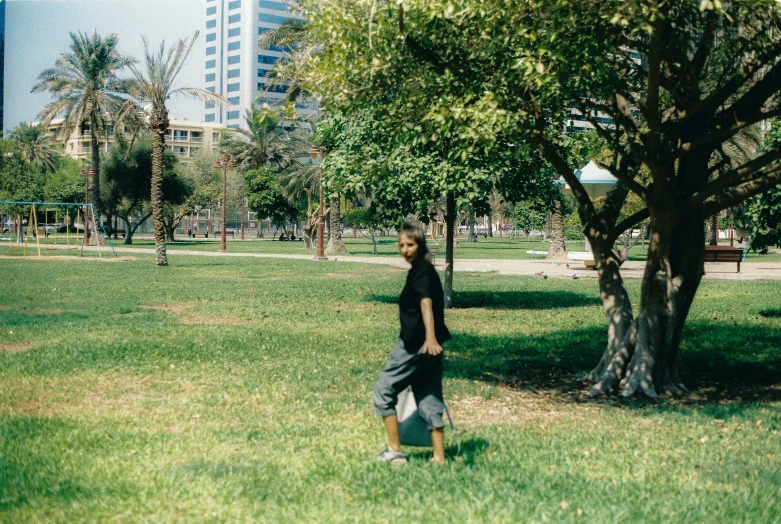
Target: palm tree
<point>155,87</point>
<point>87,92</point>
<point>37,146</point>
<point>300,48</point>
<point>265,142</point>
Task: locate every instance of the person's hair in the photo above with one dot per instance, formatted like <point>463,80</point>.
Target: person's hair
<point>414,230</point>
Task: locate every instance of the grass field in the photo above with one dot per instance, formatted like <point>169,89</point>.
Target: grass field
<point>238,390</point>
<point>485,248</point>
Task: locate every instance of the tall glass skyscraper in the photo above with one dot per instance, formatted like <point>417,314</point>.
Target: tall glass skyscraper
<point>234,67</point>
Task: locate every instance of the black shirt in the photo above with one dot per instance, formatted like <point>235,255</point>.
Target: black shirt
<point>422,282</point>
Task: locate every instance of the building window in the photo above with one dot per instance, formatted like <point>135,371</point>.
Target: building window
<point>235,4</point>
<point>268,4</point>
<point>233,87</point>
<point>263,59</point>
<point>232,115</point>
<point>210,89</point>
<point>232,19</point>
<point>211,37</point>
<point>209,118</point>
<point>233,126</point>
<point>210,77</point>
<point>211,64</point>
<point>211,10</point>
<point>233,46</point>
<point>236,31</point>
<point>234,100</point>
<point>234,73</point>
<point>234,59</point>
<point>211,50</point>
<point>180,134</point>
<point>211,24</point>
<point>209,105</point>
<point>272,19</point>
<point>215,137</point>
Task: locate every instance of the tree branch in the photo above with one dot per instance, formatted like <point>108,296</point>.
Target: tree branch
<point>627,223</point>
<point>737,195</point>
<point>745,173</point>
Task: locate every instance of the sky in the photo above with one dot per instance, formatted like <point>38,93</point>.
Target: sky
<point>38,32</point>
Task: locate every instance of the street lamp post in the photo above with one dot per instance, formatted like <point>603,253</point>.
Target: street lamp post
<point>315,152</point>
<point>87,172</point>
<point>224,162</point>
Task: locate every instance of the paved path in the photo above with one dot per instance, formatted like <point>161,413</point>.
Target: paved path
<point>563,269</point>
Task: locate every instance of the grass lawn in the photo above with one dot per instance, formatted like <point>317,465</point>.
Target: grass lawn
<point>240,389</point>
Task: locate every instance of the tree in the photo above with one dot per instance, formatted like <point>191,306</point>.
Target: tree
<point>765,211</point>
<point>265,197</point>
<point>127,175</point>
<point>529,215</point>
<point>266,142</point>
<point>87,92</point>
<point>156,86</point>
<point>37,146</point>
<point>665,84</point>
<point>177,191</point>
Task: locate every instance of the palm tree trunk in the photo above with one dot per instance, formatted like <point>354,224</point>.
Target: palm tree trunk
<point>95,196</point>
<point>335,244</point>
<point>557,248</point>
<point>160,125</point>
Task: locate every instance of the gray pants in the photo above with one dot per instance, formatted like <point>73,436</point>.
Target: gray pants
<point>423,373</point>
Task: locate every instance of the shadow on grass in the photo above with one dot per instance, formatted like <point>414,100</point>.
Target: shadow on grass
<point>510,299</point>
<point>716,362</point>
<point>771,313</point>
<point>470,450</point>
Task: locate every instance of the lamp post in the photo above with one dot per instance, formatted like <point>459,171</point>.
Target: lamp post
<point>224,162</point>
<point>315,152</point>
<point>87,172</point>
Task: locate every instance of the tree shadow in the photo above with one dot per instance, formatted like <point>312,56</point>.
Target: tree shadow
<point>510,299</point>
<point>771,313</point>
<point>716,363</point>
<point>470,450</point>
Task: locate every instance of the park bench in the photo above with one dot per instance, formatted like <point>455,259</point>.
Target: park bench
<point>193,233</point>
<point>587,257</point>
<point>230,232</point>
<point>723,254</point>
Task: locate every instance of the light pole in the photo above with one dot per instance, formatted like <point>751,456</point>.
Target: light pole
<point>315,152</point>
<point>224,162</point>
<point>87,172</point>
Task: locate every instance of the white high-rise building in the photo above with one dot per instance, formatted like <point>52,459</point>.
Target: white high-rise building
<point>234,67</point>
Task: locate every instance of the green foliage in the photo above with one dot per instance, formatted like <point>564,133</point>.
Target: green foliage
<point>529,215</point>
<point>65,184</point>
<point>765,211</point>
<point>20,181</point>
<point>265,196</point>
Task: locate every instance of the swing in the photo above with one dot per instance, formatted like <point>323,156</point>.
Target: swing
<point>53,247</point>
<point>32,223</point>
<point>18,246</point>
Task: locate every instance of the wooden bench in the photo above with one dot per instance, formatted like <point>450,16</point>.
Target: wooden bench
<point>194,233</point>
<point>230,232</point>
<point>723,254</point>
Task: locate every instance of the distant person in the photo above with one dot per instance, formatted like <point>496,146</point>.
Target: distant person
<point>292,237</point>
<point>417,358</point>
<point>282,237</point>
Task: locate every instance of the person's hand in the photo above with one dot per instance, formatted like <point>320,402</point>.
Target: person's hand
<point>431,347</point>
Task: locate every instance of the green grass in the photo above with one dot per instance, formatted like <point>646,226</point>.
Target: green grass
<point>240,389</point>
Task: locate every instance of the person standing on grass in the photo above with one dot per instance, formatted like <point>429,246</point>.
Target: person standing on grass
<point>417,358</point>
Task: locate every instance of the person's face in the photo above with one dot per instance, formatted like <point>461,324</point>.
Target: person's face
<point>408,248</point>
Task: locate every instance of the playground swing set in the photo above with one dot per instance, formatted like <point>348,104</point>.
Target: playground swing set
<point>21,235</point>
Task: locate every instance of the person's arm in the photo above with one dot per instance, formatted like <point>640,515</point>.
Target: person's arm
<point>430,346</point>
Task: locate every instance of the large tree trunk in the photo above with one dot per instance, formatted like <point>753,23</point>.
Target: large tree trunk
<point>335,244</point>
<point>450,222</point>
<point>490,226</point>
<point>642,353</point>
<point>557,249</point>
<point>159,126</point>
